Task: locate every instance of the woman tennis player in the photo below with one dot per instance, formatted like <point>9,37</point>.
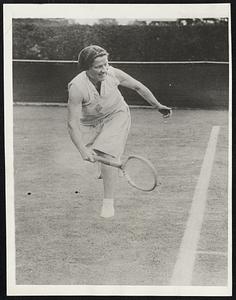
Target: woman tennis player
<point>98,116</point>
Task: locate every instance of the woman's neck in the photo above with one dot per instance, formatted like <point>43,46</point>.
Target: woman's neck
<point>94,82</point>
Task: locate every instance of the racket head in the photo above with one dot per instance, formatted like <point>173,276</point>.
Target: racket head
<point>140,173</point>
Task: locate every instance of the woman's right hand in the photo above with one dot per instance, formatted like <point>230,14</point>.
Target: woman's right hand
<point>88,155</point>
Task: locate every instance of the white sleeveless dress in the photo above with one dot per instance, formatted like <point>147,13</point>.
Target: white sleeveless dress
<point>105,120</point>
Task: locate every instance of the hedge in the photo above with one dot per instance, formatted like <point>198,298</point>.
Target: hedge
<point>124,43</point>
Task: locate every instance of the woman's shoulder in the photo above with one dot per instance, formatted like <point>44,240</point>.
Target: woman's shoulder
<point>79,77</point>
<point>113,72</point>
<point>119,74</point>
<point>78,81</point>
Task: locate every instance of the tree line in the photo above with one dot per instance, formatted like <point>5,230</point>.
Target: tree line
<point>170,41</point>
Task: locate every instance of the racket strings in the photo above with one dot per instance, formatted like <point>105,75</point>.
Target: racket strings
<point>140,174</point>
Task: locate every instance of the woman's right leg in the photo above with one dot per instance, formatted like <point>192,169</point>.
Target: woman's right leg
<point>109,176</point>
<point>117,123</point>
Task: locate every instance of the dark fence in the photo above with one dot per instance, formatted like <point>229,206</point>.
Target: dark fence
<point>183,85</point>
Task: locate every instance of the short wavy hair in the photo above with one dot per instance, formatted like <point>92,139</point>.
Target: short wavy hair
<point>87,56</point>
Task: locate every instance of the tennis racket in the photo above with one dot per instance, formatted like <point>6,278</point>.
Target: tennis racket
<point>139,172</point>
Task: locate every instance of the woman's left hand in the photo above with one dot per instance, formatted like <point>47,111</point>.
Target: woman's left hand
<point>165,111</point>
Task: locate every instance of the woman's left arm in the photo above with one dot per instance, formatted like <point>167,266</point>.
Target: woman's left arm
<point>129,82</point>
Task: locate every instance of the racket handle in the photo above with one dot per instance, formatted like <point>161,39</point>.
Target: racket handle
<point>107,161</point>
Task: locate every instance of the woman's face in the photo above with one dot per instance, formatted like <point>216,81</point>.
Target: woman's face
<point>98,71</point>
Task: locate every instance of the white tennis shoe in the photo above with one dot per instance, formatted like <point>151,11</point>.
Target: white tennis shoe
<point>107,208</point>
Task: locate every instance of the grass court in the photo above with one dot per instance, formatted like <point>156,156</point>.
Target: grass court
<point>61,238</point>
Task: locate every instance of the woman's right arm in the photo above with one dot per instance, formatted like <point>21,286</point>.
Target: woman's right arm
<point>74,115</point>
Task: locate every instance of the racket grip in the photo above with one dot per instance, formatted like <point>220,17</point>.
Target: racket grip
<point>107,161</point>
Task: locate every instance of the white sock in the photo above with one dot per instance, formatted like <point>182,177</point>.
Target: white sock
<point>107,208</point>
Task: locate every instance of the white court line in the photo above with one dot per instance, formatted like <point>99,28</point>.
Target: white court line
<point>183,270</point>
<point>217,253</point>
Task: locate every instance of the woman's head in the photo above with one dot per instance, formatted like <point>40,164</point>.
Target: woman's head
<point>88,55</point>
